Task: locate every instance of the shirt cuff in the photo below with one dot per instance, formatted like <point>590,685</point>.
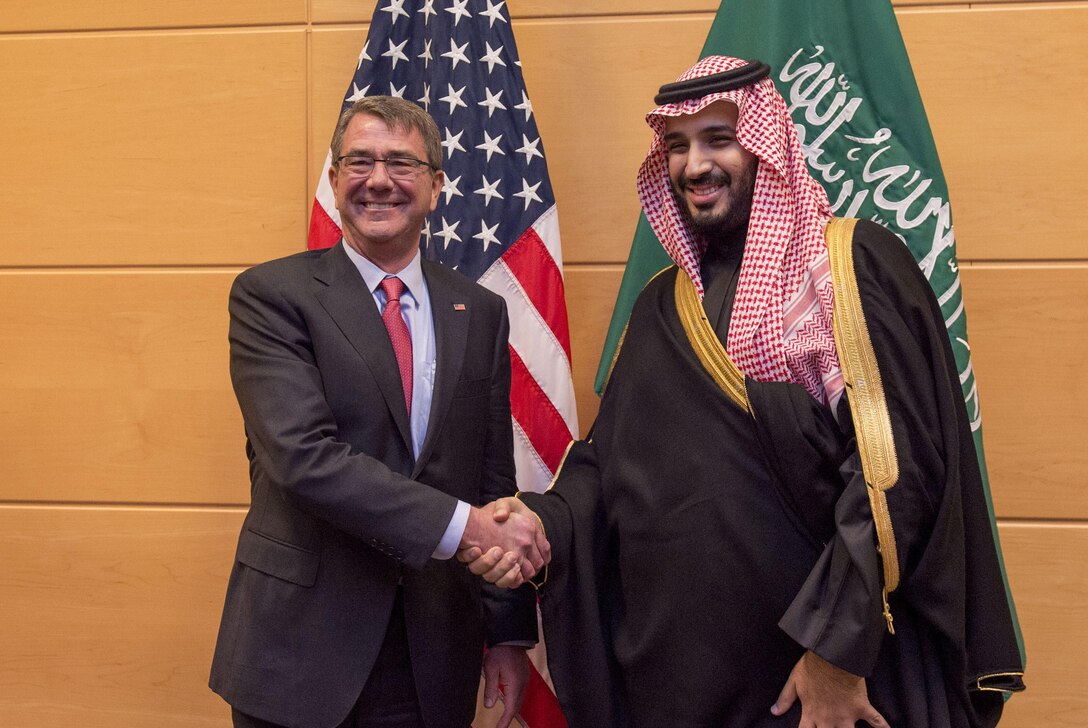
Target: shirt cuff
<point>451,539</point>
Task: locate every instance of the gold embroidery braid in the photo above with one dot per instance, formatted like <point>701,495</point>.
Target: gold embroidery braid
<point>980,686</point>
<point>865,393</point>
<point>706,344</point>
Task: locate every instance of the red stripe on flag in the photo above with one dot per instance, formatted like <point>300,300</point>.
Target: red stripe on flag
<point>540,709</point>
<point>531,263</point>
<point>324,233</point>
<point>537,416</point>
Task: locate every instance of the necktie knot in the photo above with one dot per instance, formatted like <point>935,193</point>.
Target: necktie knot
<point>393,288</point>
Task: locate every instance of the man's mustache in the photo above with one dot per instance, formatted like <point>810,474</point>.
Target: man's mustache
<point>710,178</point>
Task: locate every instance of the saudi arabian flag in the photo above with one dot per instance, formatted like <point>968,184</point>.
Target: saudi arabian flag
<point>843,69</point>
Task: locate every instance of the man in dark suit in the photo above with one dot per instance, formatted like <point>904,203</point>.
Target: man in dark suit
<point>374,387</point>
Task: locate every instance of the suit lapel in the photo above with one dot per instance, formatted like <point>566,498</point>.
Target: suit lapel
<point>450,337</point>
<point>351,307</point>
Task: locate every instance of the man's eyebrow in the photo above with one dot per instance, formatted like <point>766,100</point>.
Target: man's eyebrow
<point>392,154</point>
<point>715,129</point>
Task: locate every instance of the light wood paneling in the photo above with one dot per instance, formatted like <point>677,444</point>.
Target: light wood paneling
<point>116,388</point>
<point>1007,125</point>
<point>110,616</point>
<point>591,293</point>
<point>361,11</point>
<point>1049,581</point>
<point>1029,340</point>
<point>31,15</point>
<point>334,53</point>
<point>151,148</point>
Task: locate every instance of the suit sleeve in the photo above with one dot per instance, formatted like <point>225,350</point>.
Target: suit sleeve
<point>293,435</point>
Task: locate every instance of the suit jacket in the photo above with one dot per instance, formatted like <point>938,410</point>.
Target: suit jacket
<point>341,513</point>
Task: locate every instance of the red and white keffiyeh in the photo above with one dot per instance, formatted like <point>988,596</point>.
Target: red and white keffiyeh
<point>780,329</point>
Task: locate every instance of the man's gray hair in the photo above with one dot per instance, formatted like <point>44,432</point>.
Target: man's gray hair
<point>397,114</point>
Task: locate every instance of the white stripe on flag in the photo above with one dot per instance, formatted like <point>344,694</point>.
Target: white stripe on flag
<point>532,473</point>
<point>534,342</point>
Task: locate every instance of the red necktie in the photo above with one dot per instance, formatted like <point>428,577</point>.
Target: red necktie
<point>398,334</point>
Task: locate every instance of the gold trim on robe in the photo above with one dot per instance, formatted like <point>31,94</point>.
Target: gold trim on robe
<point>708,347</point>
<point>865,393</point>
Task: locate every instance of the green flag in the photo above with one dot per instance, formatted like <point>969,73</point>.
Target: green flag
<point>843,70</point>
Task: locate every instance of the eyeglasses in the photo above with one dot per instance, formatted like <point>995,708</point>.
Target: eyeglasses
<point>357,165</point>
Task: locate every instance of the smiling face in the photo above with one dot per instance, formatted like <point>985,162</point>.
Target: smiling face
<point>712,175</point>
<point>382,217</point>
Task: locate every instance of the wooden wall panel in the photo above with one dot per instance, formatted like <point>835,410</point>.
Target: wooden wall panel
<point>152,148</point>
<point>333,55</point>
<point>1006,124</point>
<point>361,11</point>
<point>1049,581</point>
<point>116,388</point>
<point>1029,340</point>
<point>593,288</point>
<point>31,15</point>
<point>110,615</point>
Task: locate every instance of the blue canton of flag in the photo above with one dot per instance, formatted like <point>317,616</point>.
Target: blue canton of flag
<point>463,68</point>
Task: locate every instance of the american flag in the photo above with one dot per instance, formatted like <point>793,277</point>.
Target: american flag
<point>496,218</point>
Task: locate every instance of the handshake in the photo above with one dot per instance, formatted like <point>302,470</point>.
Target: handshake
<point>504,543</point>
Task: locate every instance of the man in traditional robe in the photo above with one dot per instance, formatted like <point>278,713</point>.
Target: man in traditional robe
<point>778,517</point>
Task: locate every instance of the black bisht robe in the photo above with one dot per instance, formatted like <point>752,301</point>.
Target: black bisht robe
<point>703,540</point>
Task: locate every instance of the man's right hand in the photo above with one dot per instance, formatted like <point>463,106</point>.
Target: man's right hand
<point>504,543</point>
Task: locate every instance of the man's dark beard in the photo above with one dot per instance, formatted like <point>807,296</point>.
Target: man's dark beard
<point>728,224</point>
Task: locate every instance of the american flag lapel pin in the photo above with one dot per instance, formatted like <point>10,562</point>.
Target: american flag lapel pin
<point>458,307</point>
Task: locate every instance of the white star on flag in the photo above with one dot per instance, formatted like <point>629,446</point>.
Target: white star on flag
<point>487,235</point>
<point>493,13</point>
<point>492,102</point>
<point>448,232</point>
<point>528,193</point>
<point>529,148</point>
<point>357,93</point>
<point>456,53</point>
<point>426,54</point>
<point>450,188</point>
<point>428,10</point>
<point>459,11</point>
<point>363,55</point>
<point>526,105</point>
<point>489,190</point>
<point>491,58</point>
<point>491,146</point>
<point>396,52</point>
<point>395,8</point>
<point>452,142</point>
<point>453,98</point>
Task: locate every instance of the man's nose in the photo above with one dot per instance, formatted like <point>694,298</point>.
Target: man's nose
<point>698,163</point>
<point>379,177</point>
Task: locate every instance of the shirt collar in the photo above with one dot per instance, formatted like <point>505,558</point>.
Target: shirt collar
<point>411,275</point>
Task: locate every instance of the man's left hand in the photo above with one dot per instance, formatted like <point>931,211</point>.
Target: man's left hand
<point>830,696</point>
<point>508,665</point>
